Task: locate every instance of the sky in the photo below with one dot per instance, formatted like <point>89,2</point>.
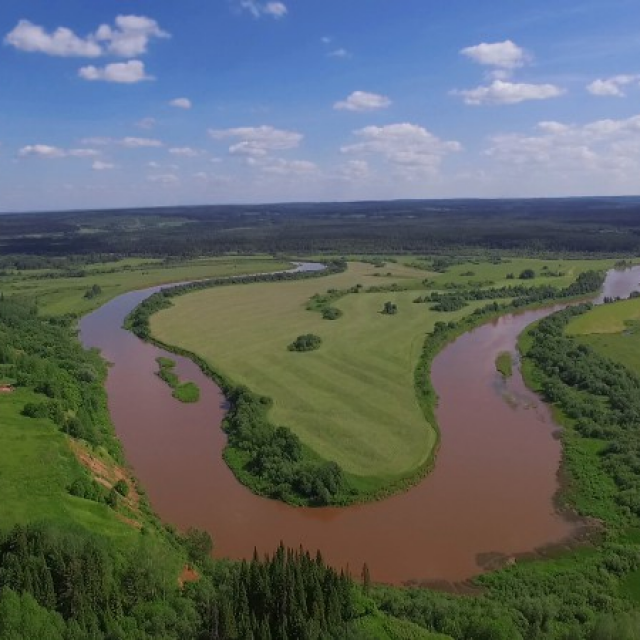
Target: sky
<point>125,103</point>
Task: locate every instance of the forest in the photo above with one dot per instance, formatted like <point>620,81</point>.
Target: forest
<point>570,226</point>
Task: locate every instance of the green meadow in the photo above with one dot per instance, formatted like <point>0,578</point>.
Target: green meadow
<point>353,400</point>
<point>37,467</point>
<point>58,293</point>
<point>613,330</point>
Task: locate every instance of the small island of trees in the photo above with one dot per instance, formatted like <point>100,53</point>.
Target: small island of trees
<point>306,342</point>
<point>390,308</point>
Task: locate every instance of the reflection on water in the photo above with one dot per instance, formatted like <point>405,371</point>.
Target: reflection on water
<point>490,495</point>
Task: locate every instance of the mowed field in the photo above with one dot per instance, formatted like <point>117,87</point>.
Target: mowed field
<point>613,330</point>
<point>606,318</point>
<point>353,400</point>
<point>58,295</point>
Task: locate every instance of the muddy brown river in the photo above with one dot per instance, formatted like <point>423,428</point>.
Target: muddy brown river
<point>491,494</point>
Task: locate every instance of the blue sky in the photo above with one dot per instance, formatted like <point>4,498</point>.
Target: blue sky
<point>157,102</point>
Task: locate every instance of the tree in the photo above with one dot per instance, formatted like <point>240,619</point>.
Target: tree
<point>390,308</point>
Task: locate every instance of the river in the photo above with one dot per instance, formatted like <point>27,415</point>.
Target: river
<point>489,498</point>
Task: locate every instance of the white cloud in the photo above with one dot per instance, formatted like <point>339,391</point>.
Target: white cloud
<point>27,36</point>
<point>275,9</point>
<point>146,123</point>
<point>506,55</point>
<point>363,101</point>
<point>185,152</point>
<point>137,143</point>
<point>131,35</point>
<point>123,72</point>
<point>611,86</point>
<point>501,92</point>
<point>355,170</point>
<point>97,140</point>
<point>166,179</point>
<point>599,151</point>
<point>257,141</point>
<point>339,53</point>
<point>407,145</point>
<point>41,151</point>
<point>257,9</point>
<point>98,165</point>
<point>47,151</point>
<point>83,153</point>
<point>280,166</point>
<point>181,103</point>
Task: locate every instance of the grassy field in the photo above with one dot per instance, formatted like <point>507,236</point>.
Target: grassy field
<point>607,318</point>
<point>36,468</point>
<point>325,396</point>
<point>353,400</point>
<point>57,294</point>
<point>613,330</point>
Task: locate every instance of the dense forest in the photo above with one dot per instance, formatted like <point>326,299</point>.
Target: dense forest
<point>528,227</point>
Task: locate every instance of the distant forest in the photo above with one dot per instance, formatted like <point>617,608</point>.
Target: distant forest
<point>570,226</point>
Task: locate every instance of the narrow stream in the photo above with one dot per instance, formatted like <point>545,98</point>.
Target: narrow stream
<point>490,497</point>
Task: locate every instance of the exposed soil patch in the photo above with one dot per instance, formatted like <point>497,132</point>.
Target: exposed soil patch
<point>108,474</point>
<point>188,574</point>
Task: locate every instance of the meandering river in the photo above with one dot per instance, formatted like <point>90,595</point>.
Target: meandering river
<point>490,496</point>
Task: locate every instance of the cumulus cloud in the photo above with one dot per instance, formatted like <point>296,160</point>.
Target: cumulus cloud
<point>280,166</point>
<point>338,53</point>
<point>604,148</point>
<point>146,123</point>
<point>355,170</point>
<point>137,143</point>
<point>181,103</point>
<point>502,92</point>
<point>99,165</point>
<point>47,151</point>
<point>257,9</point>
<point>123,72</point>
<point>129,37</point>
<point>407,145</point>
<point>611,86</point>
<point>363,101</point>
<point>27,36</point>
<point>41,151</point>
<point>166,179</point>
<point>257,141</point>
<point>185,152</point>
<point>506,55</point>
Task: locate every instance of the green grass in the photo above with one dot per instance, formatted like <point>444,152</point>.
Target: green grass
<point>613,330</point>
<point>382,627</point>
<point>352,401</point>
<point>606,318</point>
<point>497,273</point>
<point>187,392</point>
<point>61,295</point>
<point>36,468</point>
<point>504,364</point>
<point>183,391</point>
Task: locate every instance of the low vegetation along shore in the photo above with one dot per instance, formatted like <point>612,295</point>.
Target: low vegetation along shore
<point>183,391</point>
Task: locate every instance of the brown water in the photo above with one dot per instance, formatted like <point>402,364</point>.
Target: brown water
<point>491,492</point>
